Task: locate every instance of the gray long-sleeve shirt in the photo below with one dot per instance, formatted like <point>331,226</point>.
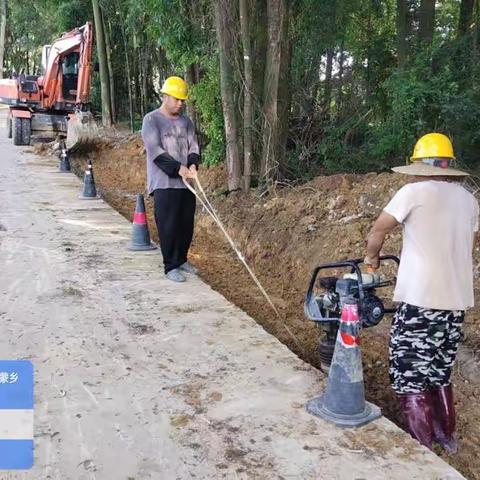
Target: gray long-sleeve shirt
<point>176,137</point>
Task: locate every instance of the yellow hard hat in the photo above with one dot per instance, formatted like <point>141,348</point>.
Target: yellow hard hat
<point>433,145</point>
<point>175,87</point>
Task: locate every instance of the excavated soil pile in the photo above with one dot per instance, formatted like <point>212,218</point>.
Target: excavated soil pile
<point>283,236</point>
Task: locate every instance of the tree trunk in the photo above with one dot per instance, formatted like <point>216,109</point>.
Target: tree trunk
<point>248,94</point>
<point>129,79</point>
<point>139,58</point>
<point>193,15</point>
<point>259,56</point>
<point>143,58</point>
<point>327,91</point>
<point>426,21</point>
<point>223,9</point>
<point>146,60</point>
<point>102,60</point>
<point>466,17</point>
<point>271,141</point>
<point>111,75</point>
<point>331,35</point>
<point>3,24</point>
<point>402,31</point>
<point>136,93</point>
<point>284,92</point>
<point>476,29</point>
<point>131,110</point>
<point>190,78</point>
<point>341,69</point>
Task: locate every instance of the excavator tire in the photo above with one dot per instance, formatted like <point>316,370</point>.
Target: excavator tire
<point>17,131</point>
<point>21,131</point>
<point>26,130</point>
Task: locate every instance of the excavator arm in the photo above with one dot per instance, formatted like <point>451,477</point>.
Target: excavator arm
<point>85,66</point>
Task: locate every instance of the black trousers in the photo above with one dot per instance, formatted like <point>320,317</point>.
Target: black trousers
<point>174,216</point>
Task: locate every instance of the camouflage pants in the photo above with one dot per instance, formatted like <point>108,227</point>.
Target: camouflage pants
<point>423,347</point>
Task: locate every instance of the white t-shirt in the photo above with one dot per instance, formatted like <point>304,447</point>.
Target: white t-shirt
<point>439,220</point>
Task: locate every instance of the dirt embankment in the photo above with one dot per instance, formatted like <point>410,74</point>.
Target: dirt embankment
<point>283,236</point>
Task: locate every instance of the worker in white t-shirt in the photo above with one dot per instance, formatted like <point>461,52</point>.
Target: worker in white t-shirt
<point>434,286</point>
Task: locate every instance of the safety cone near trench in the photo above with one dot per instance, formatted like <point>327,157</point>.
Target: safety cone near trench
<point>89,190</point>
<point>64,165</point>
<point>140,235</point>
<point>343,402</point>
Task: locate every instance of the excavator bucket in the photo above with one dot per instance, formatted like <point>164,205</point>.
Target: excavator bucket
<point>82,131</point>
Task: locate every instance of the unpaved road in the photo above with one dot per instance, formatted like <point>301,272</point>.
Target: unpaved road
<point>139,378</point>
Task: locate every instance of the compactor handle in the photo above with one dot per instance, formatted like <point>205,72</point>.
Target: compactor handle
<point>353,264</point>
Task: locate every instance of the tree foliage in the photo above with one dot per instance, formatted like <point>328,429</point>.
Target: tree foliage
<point>355,82</point>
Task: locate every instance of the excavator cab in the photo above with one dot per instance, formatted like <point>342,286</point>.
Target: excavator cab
<point>70,76</point>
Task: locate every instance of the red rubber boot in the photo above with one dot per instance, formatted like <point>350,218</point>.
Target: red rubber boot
<point>417,412</point>
<point>443,413</point>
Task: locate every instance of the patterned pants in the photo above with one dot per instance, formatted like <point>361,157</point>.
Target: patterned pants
<point>423,347</point>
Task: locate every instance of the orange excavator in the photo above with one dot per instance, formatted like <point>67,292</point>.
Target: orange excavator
<point>57,103</point>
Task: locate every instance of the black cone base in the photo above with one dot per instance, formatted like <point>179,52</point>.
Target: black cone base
<point>141,248</point>
<point>370,412</point>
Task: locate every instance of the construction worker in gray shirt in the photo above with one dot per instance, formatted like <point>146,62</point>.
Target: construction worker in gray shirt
<point>173,157</point>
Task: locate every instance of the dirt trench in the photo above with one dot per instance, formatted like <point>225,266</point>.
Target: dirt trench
<point>283,236</point>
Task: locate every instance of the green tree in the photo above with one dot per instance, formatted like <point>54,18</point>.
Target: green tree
<point>103,61</point>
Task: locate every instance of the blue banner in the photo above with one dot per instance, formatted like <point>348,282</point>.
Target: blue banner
<point>16,384</point>
<point>16,454</point>
<point>16,414</point>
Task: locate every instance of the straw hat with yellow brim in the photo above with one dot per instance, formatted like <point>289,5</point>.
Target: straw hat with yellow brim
<point>432,157</point>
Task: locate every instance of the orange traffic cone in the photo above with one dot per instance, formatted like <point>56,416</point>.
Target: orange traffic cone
<point>343,402</point>
<point>140,235</point>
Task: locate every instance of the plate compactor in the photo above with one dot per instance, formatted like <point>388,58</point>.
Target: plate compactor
<point>326,295</point>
